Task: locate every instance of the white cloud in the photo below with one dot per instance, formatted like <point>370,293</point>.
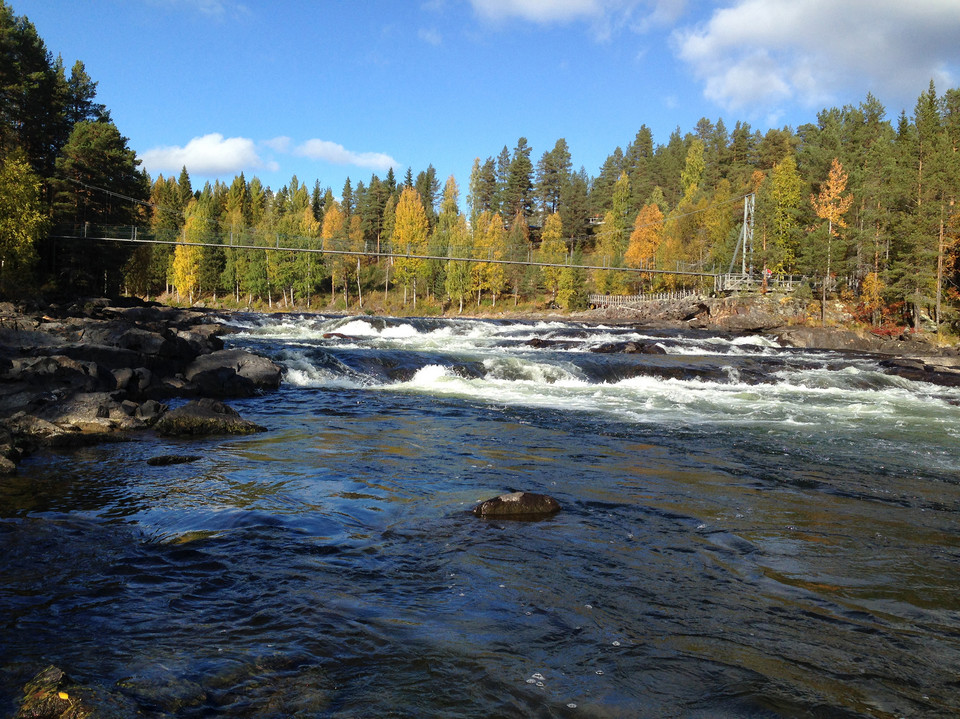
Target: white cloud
<point>279,144</point>
<point>538,10</point>
<point>218,9</point>
<point>758,53</point>
<point>429,36</point>
<point>336,154</point>
<point>208,155</point>
<point>603,16</point>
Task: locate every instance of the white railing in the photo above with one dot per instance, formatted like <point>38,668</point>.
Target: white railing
<point>753,283</point>
<point>628,300</point>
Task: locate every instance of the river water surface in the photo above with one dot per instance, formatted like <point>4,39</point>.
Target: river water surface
<point>747,531</point>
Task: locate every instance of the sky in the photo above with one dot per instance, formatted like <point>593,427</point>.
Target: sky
<point>326,90</point>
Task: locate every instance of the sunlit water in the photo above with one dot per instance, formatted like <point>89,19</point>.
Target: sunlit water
<point>747,531</point>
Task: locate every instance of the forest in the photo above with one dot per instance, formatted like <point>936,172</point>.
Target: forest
<point>862,207</point>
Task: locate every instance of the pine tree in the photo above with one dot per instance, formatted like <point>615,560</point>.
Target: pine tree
<point>601,191</point>
<point>428,186</point>
<point>638,164</point>
<point>518,194</point>
<point>553,174</point>
<point>501,175</point>
<point>575,206</point>
<point>93,168</point>
<point>347,201</point>
<point>33,93</point>
<point>81,92</point>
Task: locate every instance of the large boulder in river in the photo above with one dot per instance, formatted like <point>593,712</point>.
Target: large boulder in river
<point>203,417</point>
<point>233,373</point>
<point>517,505</point>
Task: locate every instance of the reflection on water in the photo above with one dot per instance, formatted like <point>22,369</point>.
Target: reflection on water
<point>330,567</point>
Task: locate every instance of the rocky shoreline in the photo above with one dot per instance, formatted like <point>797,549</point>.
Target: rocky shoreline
<point>95,370</point>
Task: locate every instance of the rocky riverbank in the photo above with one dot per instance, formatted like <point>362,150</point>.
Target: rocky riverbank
<point>915,356</point>
<point>93,371</point>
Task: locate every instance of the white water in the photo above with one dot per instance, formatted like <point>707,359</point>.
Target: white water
<point>799,398</point>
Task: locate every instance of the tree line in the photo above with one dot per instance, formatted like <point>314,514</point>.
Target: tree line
<point>864,207</point>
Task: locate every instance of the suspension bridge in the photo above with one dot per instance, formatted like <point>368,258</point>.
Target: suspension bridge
<point>744,280</point>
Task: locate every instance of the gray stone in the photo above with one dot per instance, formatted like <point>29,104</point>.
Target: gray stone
<point>233,373</point>
<point>122,376</point>
<point>150,411</point>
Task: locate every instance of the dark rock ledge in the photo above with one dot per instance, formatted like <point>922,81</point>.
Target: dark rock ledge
<point>94,371</point>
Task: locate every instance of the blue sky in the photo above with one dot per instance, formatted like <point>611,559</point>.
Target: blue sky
<point>326,90</point>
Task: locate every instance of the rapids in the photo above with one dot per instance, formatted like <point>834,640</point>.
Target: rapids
<point>747,530</point>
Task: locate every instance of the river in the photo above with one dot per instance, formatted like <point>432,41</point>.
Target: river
<point>747,531</point>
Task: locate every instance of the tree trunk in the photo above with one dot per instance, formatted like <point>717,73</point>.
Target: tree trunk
<point>826,278</point>
<point>359,289</point>
<point>940,252</point>
<point>386,285</point>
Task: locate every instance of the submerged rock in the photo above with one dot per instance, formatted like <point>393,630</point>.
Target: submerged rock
<point>49,695</point>
<point>203,417</point>
<point>517,505</point>
<point>52,694</point>
<point>165,460</point>
<point>645,348</point>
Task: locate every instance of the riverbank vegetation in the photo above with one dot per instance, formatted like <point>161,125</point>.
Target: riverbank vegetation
<point>861,206</point>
